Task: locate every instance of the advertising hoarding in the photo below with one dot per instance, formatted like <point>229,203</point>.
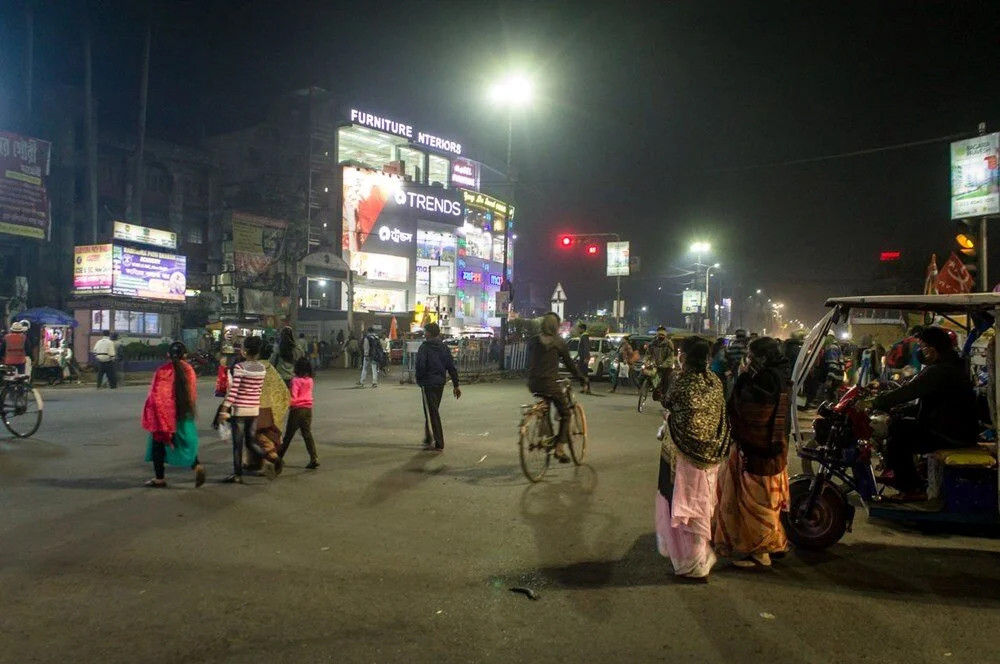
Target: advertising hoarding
<point>441,281</point>
<point>143,235</point>
<point>149,274</point>
<point>92,269</point>
<point>692,301</point>
<point>379,299</point>
<point>465,173</point>
<point>257,244</point>
<point>975,187</point>
<point>380,267</point>
<point>618,259</point>
<point>24,200</point>
<point>381,211</point>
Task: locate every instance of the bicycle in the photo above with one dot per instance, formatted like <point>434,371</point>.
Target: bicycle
<point>537,440</point>
<point>20,403</point>
<point>648,383</point>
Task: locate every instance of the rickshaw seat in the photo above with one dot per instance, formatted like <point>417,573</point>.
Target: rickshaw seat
<point>966,457</point>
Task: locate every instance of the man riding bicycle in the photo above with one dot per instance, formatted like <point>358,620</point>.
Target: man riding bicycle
<point>544,352</point>
<point>660,352</point>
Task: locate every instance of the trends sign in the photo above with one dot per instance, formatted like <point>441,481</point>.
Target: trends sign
<point>429,203</point>
<point>405,130</point>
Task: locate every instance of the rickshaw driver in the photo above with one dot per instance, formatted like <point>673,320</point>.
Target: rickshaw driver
<point>945,411</point>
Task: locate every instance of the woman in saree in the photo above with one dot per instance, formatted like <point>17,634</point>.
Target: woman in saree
<point>168,416</point>
<point>695,440</point>
<point>753,485</point>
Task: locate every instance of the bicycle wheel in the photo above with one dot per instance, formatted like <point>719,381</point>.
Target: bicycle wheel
<point>643,393</point>
<point>534,445</point>
<point>578,434</point>
<point>21,409</point>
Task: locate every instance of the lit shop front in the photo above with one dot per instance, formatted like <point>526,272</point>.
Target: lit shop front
<point>394,232</point>
<point>479,272</point>
<point>134,291</point>
<point>391,145</point>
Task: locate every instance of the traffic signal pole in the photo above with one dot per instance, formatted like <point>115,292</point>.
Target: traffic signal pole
<point>619,313</point>
<point>983,279</point>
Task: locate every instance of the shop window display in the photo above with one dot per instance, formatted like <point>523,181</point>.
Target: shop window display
<point>437,170</point>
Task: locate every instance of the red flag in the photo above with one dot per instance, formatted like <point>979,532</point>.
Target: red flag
<point>930,281</point>
<point>954,278</point>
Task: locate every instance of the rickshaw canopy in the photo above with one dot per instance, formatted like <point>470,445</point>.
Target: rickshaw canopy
<point>939,304</point>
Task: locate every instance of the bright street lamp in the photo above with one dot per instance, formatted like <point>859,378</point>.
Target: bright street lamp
<point>514,90</point>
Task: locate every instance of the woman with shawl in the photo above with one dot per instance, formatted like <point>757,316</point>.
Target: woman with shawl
<point>753,486</point>
<point>168,416</point>
<point>695,439</point>
<point>274,404</point>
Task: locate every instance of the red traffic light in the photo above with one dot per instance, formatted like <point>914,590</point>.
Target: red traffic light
<point>592,249</point>
<point>887,256</point>
<point>566,241</point>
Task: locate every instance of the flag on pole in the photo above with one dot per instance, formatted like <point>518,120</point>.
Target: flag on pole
<point>930,281</point>
<point>954,278</point>
<point>393,329</point>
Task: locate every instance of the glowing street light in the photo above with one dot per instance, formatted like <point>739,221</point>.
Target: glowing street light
<point>701,247</point>
<point>515,90</point>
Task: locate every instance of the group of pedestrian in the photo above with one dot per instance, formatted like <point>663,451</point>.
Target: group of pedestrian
<point>260,399</point>
<point>723,479</point>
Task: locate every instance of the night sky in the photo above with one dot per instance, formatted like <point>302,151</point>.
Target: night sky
<point>665,122</point>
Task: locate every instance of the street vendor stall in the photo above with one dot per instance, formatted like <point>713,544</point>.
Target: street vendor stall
<point>51,338</point>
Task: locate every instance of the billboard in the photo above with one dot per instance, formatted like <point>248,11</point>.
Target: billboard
<point>692,301</point>
<point>380,267</point>
<point>975,188</point>
<point>92,269</point>
<point>381,211</point>
<point>24,200</point>
<point>441,279</point>
<point>618,259</point>
<point>257,244</point>
<point>142,235</point>
<point>149,274</point>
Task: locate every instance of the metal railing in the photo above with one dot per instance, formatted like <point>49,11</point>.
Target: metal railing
<point>475,362</point>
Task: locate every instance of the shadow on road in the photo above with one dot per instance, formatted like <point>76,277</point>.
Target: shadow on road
<point>965,577</point>
<point>403,478</point>
<point>103,483</point>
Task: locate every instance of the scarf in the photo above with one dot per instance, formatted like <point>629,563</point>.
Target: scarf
<point>698,424</point>
<point>759,407</point>
<point>159,415</point>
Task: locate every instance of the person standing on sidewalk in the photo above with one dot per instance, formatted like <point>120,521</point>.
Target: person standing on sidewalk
<point>242,406</point>
<point>433,366</point>
<point>105,352</point>
<point>371,348</point>
<point>300,416</point>
<point>169,415</point>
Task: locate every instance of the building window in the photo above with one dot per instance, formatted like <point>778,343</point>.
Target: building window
<point>100,320</point>
<point>413,162</point>
<point>158,181</point>
<point>195,236</point>
<point>437,170</point>
<point>137,322</point>
<point>319,293</point>
<point>365,146</point>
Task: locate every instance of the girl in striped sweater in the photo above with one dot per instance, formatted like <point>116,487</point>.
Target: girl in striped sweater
<point>242,406</point>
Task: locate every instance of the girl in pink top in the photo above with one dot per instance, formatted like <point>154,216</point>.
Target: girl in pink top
<point>301,414</point>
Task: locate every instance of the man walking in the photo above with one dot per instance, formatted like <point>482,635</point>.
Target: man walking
<point>583,351</point>
<point>433,366</point>
<point>106,354</point>
<point>371,349</point>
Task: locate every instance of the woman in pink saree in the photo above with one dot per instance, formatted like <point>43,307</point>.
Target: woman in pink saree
<point>695,440</point>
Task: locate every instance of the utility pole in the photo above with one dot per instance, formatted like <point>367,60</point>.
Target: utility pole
<point>505,283</point>
<point>29,57</point>
<point>138,183</point>
<point>90,130</point>
<point>983,278</point>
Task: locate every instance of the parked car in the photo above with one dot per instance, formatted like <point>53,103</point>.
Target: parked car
<point>599,347</point>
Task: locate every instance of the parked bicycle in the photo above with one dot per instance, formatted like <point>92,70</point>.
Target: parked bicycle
<point>537,434</point>
<point>20,403</point>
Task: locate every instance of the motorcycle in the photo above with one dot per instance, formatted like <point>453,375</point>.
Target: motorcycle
<point>204,364</point>
<point>848,444</point>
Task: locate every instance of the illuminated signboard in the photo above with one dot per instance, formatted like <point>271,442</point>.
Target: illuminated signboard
<point>886,256</point>
<point>380,267</point>
<point>478,200</point>
<point>618,259</point>
<point>440,279</point>
<point>143,235</point>
<point>92,268</point>
<point>472,277</point>
<point>149,274</point>
<point>496,280</point>
<point>465,173</point>
<point>975,183</point>
<point>692,301</point>
<point>405,130</point>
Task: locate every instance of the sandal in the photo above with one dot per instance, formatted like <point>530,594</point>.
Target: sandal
<point>156,484</point>
<point>199,475</point>
<point>561,457</point>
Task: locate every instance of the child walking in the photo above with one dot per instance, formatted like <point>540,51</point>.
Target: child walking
<point>300,415</point>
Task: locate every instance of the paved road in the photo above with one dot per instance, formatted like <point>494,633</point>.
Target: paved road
<point>388,554</point>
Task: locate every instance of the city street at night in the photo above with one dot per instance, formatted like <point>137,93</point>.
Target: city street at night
<point>389,553</point>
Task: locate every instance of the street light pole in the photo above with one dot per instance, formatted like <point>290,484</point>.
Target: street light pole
<point>506,239</point>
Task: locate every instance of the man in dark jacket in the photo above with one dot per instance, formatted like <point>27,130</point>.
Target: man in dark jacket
<point>945,413</point>
<point>434,365</point>
<point>583,351</point>
<point>544,353</point>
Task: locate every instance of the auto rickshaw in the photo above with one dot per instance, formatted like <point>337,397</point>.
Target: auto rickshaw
<point>844,447</point>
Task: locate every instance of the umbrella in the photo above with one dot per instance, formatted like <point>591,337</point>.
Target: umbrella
<point>393,329</point>
<point>46,316</point>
